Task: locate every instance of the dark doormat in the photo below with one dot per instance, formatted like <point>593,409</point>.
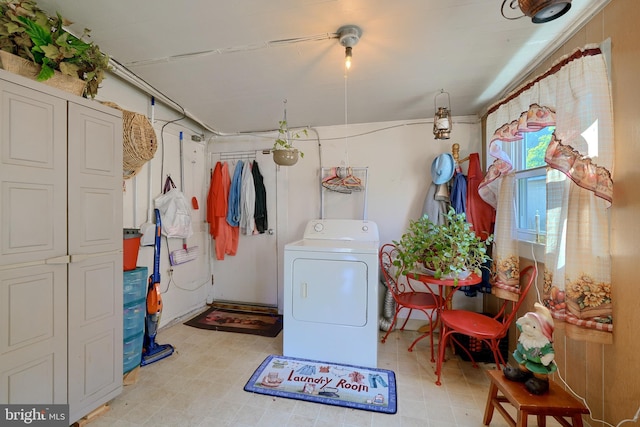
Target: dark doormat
<point>243,322</point>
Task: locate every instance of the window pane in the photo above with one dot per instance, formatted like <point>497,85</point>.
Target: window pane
<point>535,145</point>
<point>531,201</point>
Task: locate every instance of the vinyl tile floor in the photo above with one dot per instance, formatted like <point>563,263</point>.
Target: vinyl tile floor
<point>202,383</point>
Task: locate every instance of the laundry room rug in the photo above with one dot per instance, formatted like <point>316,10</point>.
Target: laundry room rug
<point>351,386</point>
<point>244,322</point>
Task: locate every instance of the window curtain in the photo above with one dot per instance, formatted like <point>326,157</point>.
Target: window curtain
<point>498,189</point>
<point>575,96</point>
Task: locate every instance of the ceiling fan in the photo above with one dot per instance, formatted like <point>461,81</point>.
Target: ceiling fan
<point>540,11</point>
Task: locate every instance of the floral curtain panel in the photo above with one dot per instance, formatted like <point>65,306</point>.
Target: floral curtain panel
<point>498,189</point>
<point>575,96</point>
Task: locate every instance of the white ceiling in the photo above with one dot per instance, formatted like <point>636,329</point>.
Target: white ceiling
<point>409,51</point>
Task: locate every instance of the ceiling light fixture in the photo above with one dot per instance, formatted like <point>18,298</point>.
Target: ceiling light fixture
<point>540,11</point>
<point>442,123</point>
<point>347,57</point>
<point>349,36</point>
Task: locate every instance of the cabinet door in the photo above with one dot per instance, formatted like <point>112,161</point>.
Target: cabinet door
<point>33,246</point>
<point>95,181</point>
<point>33,175</point>
<point>33,335</point>
<point>95,248</point>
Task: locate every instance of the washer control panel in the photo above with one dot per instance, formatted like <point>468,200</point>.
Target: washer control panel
<point>342,229</point>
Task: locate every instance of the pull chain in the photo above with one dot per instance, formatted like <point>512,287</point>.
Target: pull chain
<point>346,121</point>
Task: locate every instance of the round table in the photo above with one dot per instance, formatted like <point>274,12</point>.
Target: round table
<point>446,289</point>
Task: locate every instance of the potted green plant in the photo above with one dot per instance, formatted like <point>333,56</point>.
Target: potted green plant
<point>284,153</point>
<point>448,250</point>
<point>29,33</point>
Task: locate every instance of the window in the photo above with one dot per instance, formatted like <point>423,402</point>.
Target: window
<point>531,195</point>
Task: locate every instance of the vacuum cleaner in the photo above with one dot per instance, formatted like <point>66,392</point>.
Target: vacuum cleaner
<point>151,351</point>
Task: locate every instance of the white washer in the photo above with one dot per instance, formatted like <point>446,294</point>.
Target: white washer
<point>331,293</point>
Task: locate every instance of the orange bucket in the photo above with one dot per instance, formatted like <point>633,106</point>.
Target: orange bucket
<point>130,246</point>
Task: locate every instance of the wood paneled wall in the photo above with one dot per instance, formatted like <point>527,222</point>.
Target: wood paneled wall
<point>608,376</point>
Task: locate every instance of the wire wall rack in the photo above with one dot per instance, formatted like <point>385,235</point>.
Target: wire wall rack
<point>344,180</point>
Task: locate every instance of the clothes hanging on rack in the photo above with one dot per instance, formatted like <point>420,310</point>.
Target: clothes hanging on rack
<point>480,214</point>
<point>459,193</point>
<point>465,199</point>
<point>224,241</point>
<point>215,203</point>
<point>217,208</point>
<point>233,210</point>
<point>248,201</point>
<point>434,207</point>
<point>235,205</point>
<point>260,212</point>
<point>459,185</point>
<point>459,200</point>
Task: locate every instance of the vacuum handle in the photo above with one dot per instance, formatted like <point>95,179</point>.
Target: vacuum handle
<point>156,249</point>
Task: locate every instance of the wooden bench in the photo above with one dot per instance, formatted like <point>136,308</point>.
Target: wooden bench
<point>557,403</point>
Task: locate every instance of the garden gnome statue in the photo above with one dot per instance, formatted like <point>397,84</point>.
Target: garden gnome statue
<point>534,352</point>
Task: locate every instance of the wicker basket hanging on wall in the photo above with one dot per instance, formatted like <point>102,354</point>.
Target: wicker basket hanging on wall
<point>139,142</point>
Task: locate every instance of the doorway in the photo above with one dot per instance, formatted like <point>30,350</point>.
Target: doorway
<point>251,276</point>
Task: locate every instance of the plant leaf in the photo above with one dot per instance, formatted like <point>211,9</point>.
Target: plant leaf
<point>75,43</point>
<point>46,73</point>
<point>39,35</point>
<point>40,18</point>
<point>69,69</point>
<point>50,51</point>
<point>23,40</point>
<point>13,28</point>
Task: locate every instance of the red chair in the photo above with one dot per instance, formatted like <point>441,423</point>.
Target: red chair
<point>488,330</point>
<point>405,296</point>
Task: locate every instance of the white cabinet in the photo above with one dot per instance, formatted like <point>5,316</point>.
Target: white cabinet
<point>94,217</point>
<point>60,248</point>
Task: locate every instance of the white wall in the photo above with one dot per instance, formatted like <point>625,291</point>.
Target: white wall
<point>184,290</point>
<point>399,157</point>
<point>397,154</point>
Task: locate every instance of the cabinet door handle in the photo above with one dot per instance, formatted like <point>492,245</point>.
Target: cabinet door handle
<point>64,259</point>
<point>303,290</point>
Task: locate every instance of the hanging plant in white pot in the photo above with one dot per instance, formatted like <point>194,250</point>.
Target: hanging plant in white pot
<point>284,153</point>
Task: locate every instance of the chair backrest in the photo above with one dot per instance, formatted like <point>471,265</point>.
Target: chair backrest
<point>394,275</point>
<point>389,252</point>
<point>509,309</point>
